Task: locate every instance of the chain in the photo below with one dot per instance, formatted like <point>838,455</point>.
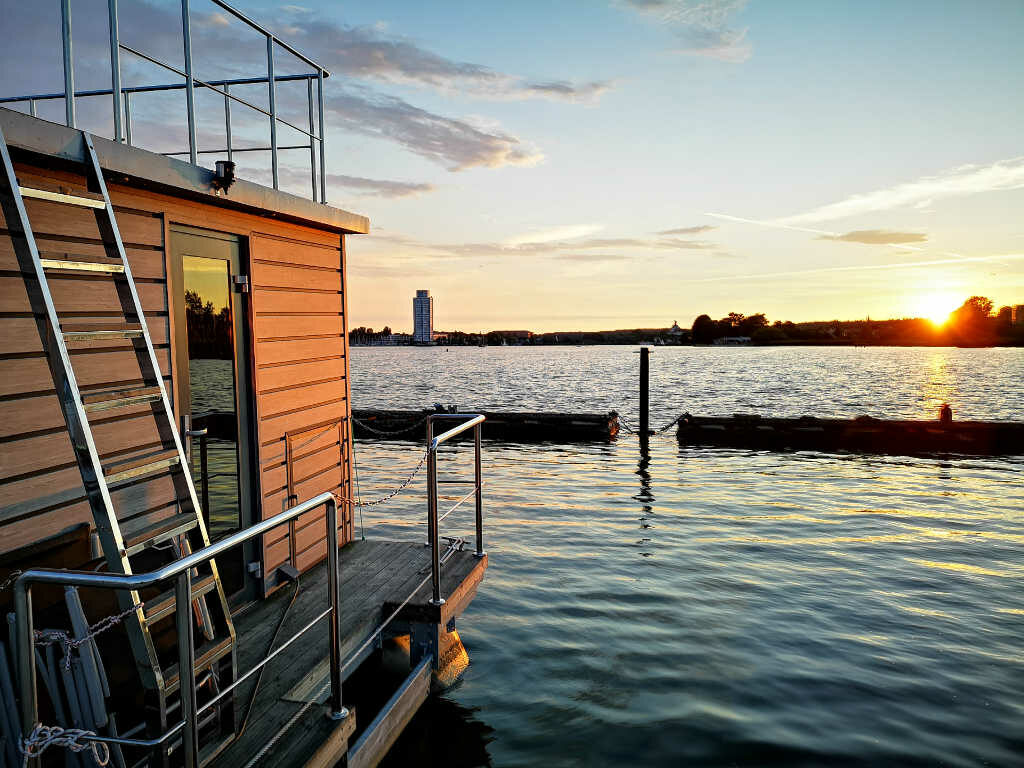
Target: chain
<point>398,490</point>
<point>50,636</point>
<point>385,432</point>
<point>44,736</point>
<point>9,580</point>
<point>663,430</point>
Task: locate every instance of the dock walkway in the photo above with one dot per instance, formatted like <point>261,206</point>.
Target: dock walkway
<point>376,578</point>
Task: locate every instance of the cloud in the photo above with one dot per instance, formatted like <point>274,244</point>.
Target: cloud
<point>703,26</point>
<point>590,257</point>
<point>364,52</point>
<point>379,187</point>
<point>877,237</point>
<point>688,230</point>
<point>456,144</point>
<point>965,180</point>
<point>552,234</point>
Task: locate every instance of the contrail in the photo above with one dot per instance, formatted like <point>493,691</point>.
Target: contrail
<point>897,265</point>
<point>825,232</point>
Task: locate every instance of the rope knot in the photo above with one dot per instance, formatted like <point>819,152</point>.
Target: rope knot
<point>45,736</point>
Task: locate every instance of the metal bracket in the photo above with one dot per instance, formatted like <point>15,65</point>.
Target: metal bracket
<point>241,283</point>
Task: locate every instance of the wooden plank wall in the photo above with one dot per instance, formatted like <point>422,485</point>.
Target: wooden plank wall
<point>301,389</point>
<point>299,355</point>
<point>41,491</point>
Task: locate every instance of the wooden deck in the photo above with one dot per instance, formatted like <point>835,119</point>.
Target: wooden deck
<point>376,577</point>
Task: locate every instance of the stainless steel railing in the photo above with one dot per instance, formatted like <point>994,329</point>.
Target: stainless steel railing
<point>181,571</point>
<point>122,101</point>
<point>473,421</point>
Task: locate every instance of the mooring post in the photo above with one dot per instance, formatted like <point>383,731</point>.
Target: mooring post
<point>645,393</point>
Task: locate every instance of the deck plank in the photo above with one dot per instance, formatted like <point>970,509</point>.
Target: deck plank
<point>376,576</point>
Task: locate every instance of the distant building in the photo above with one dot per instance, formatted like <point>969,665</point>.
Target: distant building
<point>675,331</point>
<point>423,318</point>
<point>1018,314</point>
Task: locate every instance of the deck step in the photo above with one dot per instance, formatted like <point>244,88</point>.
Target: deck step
<point>60,197</point>
<point>82,266</point>
<point>119,398</point>
<point>101,331</point>
<point>162,606</point>
<point>119,470</point>
<point>206,656</point>
<point>157,533</point>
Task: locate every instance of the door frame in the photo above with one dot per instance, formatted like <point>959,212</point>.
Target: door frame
<point>245,378</point>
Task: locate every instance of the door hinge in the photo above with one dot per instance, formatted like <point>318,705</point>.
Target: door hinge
<point>241,283</point>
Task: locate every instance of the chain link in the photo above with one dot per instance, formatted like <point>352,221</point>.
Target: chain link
<point>44,736</point>
<point>11,578</point>
<point>624,424</point>
<point>385,432</point>
<point>398,490</point>
<point>46,637</point>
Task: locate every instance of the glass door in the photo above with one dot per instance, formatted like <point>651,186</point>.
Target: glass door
<point>214,385</point>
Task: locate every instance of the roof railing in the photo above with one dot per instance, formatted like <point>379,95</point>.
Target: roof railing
<point>122,96</point>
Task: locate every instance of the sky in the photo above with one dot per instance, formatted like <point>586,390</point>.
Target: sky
<point>619,163</point>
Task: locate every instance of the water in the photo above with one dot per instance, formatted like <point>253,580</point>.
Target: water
<point>717,606</point>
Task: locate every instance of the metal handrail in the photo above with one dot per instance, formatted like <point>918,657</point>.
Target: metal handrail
<point>472,421</point>
<point>181,571</point>
<point>121,95</point>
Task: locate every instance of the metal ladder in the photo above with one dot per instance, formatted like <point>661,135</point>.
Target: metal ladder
<point>184,530</point>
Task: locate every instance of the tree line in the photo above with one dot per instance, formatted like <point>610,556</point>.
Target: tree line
<point>972,324</point>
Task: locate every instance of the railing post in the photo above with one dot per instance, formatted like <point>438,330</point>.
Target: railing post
<point>128,118</point>
<point>227,117</point>
<point>336,710</point>
<point>323,166</point>
<point>69,64</point>
<point>26,681</point>
<point>205,474</point>
<point>435,550</point>
<point>115,69</point>
<point>273,108</point>
<point>190,96</point>
<point>312,130</point>
<point>32,107</point>
<point>479,493</point>
<point>186,668</point>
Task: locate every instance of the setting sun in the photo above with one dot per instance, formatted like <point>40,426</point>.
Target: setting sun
<point>937,307</point>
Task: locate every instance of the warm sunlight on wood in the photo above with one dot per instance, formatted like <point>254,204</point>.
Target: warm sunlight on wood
<point>937,307</point>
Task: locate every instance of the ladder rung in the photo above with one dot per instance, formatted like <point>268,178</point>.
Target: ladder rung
<point>119,398</point>
<point>158,533</point>
<point>162,606</point>
<point>127,469</point>
<point>206,656</point>
<point>82,266</point>
<point>100,331</point>
<point>59,197</point>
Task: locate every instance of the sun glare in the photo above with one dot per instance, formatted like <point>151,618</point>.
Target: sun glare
<point>937,307</point>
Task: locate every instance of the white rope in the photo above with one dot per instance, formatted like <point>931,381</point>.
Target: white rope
<point>45,736</point>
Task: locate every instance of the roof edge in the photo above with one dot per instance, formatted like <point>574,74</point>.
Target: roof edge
<point>149,170</point>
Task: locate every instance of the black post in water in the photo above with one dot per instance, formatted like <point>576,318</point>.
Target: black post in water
<point>645,368</point>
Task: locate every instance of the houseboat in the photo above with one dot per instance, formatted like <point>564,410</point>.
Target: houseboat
<point>180,576</point>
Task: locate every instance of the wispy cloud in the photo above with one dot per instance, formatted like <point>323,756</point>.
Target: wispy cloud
<point>703,26</point>
<point>865,267</point>
<point>552,234</point>
<point>964,180</point>
<point>688,230</point>
<point>366,52</point>
<point>456,144</point>
<point>877,237</point>
<point>379,187</point>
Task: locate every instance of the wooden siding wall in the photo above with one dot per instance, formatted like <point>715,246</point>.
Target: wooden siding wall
<point>301,389</point>
<point>299,353</point>
<point>41,491</point>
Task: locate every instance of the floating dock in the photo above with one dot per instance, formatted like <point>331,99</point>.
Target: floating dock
<point>526,427</point>
<point>862,434</point>
<point>288,726</point>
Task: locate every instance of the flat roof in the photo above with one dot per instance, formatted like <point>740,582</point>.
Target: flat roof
<point>149,170</point>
